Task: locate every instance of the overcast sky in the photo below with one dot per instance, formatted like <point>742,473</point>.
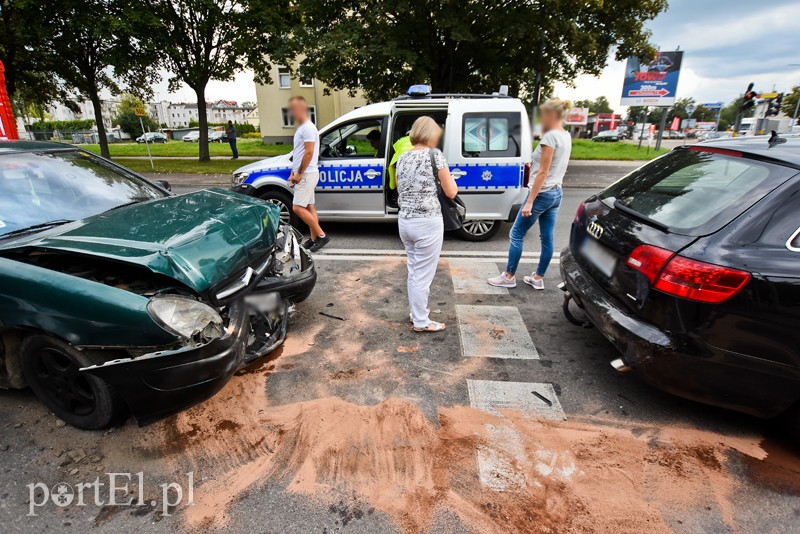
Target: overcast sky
<point>726,43</point>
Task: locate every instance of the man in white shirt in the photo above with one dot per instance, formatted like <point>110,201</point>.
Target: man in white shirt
<point>305,173</point>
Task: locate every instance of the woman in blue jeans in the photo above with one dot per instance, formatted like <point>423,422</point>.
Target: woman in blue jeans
<point>550,160</point>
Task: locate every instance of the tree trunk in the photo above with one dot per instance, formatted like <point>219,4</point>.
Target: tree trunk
<point>94,96</point>
<point>202,119</point>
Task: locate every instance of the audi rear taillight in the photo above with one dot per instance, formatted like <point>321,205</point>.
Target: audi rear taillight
<point>687,278</point>
<point>649,260</point>
<point>579,213</point>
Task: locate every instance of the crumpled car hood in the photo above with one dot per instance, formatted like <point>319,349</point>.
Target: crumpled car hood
<point>199,239</point>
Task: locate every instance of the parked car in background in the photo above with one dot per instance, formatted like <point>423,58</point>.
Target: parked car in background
<point>152,137</point>
<point>674,134</point>
<point>606,136</point>
<point>217,137</point>
<point>117,296</point>
<point>690,266</point>
<point>710,136</point>
<point>191,137</point>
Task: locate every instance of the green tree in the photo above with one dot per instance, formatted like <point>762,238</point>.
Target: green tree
<point>127,119</point>
<point>598,105</point>
<point>90,40</point>
<point>700,113</point>
<point>202,40</point>
<point>383,46</point>
<point>790,100</point>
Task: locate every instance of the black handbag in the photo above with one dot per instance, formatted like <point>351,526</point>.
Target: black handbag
<point>453,209</point>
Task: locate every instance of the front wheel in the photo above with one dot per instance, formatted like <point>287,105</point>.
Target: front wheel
<point>477,230</point>
<point>52,370</point>
<point>283,200</point>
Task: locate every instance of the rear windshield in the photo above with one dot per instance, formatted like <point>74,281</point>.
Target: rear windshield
<point>694,192</point>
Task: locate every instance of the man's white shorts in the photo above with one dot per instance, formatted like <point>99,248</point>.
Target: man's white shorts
<point>304,189</point>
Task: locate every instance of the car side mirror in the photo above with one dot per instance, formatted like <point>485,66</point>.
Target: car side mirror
<point>350,150</point>
<point>164,184</point>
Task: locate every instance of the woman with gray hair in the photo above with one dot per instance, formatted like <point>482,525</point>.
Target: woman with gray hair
<point>549,166</point>
<point>421,225</point>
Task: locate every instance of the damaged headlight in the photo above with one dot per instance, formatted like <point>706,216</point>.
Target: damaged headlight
<point>239,177</point>
<point>185,317</point>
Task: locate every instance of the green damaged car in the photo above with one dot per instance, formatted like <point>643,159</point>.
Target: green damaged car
<point>118,297</point>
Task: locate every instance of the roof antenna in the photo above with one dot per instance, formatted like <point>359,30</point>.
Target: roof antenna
<point>775,139</point>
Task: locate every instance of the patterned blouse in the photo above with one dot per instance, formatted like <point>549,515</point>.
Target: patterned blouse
<point>416,185</point>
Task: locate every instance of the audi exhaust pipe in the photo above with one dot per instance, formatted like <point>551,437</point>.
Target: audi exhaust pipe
<point>620,365</point>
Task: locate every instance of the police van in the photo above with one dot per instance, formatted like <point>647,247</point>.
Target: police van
<point>487,143</point>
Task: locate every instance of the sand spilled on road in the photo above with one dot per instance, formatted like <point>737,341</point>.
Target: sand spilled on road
<point>577,476</point>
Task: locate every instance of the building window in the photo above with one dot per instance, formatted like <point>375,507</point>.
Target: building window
<point>286,119</point>
<point>306,82</point>
<point>284,78</point>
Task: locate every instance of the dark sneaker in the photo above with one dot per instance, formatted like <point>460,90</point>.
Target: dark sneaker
<point>308,243</point>
<point>319,243</point>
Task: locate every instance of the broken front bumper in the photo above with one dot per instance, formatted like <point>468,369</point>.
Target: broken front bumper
<point>163,383</point>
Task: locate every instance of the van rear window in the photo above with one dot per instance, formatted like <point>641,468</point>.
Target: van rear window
<point>695,192</point>
<point>491,135</point>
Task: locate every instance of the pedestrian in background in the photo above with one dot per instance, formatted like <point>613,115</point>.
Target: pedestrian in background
<point>421,225</point>
<point>550,160</point>
<point>230,133</point>
<point>305,172</point>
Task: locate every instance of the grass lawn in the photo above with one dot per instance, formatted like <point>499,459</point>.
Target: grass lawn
<point>586,149</point>
<point>182,166</point>
<point>247,147</point>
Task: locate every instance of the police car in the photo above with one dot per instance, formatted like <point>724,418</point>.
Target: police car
<point>487,143</point>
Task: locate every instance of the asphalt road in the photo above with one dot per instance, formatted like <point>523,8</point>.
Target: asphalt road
<point>511,420</point>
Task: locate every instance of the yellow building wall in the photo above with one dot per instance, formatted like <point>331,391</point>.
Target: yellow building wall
<point>272,98</point>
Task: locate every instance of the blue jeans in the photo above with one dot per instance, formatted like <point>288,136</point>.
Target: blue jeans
<point>545,210</point>
<point>234,150</point>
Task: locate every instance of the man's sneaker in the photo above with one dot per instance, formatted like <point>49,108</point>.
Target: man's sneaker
<point>535,283</point>
<point>503,281</point>
<point>308,243</point>
<point>320,242</point>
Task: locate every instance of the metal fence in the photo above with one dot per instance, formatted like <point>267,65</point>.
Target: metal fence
<point>77,137</point>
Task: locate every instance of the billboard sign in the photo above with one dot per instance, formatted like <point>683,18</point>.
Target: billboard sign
<point>713,106</point>
<point>577,117</point>
<point>654,83</point>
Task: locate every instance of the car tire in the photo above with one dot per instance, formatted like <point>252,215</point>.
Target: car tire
<point>477,231</point>
<point>283,200</point>
<point>52,370</point>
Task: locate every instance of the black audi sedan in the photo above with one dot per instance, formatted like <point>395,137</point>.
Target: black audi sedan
<point>690,266</point>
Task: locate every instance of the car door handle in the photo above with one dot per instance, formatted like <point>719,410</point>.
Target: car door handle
<point>457,173</point>
<point>372,174</point>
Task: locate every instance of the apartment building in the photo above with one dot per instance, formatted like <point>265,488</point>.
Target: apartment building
<point>273,114</point>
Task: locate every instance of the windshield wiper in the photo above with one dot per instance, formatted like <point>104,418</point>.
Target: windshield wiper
<point>640,216</point>
<point>35,227</point>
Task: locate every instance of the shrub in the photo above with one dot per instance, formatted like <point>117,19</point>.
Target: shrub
<point>251,135</point>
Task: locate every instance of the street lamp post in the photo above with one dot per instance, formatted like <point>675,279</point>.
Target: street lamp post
<point>797,106</point>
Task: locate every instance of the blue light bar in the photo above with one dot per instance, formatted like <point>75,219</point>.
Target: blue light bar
<point>419,90</point>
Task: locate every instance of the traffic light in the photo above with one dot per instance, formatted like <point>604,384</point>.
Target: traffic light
<point>749,98</point>
<point>774,106</point>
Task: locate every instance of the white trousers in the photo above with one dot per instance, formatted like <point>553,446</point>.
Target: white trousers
<point>422,239</point>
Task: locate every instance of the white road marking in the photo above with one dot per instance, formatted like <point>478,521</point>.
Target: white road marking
<point>499,464</point>
<point>323,257</point>
<point>494,332</point>
<point>535,400</point>
<point>401,252</point>
<point>470,277</point>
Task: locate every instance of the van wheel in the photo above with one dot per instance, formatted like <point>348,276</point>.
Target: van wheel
<point>478,230</point>
<point>52,370</point>
<point>284,201</point>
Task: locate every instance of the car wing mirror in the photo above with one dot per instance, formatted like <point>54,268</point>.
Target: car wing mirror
<point>163,184</point>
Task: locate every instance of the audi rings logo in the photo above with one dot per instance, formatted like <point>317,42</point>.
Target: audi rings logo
<point>594,230</point>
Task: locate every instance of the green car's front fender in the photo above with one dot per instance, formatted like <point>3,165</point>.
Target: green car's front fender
<point>80,311</point>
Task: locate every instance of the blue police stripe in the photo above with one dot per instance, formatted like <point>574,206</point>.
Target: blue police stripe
<point>350,175</point>
<point>489,176</point>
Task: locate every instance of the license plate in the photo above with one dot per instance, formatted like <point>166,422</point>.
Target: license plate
<point>602,259</point>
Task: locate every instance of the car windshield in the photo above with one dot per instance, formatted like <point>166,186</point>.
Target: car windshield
<point>39,188</point>
<point>695,192</point>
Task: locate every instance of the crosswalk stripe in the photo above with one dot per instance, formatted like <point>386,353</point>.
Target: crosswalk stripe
<point>534,399</point>
<point>494,332</point>
<point>470,277</point>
